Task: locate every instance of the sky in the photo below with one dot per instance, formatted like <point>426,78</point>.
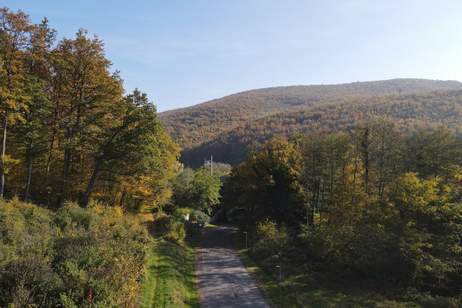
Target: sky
<point>184,52</point>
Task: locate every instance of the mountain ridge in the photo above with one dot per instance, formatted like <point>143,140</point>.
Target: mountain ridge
<point>198,126</point>
<point>455,83</point>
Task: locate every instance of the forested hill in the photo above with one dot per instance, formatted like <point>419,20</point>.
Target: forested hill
<point>228,126</point>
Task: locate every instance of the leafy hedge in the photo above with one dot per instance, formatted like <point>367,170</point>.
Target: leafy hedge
<point>73,257</point>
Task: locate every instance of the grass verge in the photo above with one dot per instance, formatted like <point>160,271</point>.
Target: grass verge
<point>170,279</point>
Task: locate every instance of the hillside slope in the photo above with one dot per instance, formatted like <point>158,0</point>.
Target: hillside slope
<point>227,127</point>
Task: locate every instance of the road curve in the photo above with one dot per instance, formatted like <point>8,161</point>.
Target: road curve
<point>223,280</point>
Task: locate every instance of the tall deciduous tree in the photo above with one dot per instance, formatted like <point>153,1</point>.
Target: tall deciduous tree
<point>205,190</point>
<point>126,142</point>
<point>33,130</point>
<point>14,40</point>
<point>87,88</point>
<point>326,158</point>
<point>267,185</point>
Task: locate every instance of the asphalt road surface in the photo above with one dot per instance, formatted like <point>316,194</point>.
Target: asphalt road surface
<point>222,278</point>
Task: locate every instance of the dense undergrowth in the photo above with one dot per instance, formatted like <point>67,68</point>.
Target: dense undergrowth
<point>95,257</point>
<point>71,257</point>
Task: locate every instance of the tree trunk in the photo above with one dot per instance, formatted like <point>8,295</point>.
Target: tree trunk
<point>122,197</point>
<point>91,183</point>
<point>29,178</point>
<point>365,146</point>
<point>66,167</point>
<point>2,167</point>
<point>382,170</point>
<point>50,153</point>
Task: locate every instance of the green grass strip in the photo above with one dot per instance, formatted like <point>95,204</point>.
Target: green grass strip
<point>170,277</point>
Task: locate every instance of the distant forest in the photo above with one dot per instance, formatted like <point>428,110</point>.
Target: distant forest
<point>229,127</point>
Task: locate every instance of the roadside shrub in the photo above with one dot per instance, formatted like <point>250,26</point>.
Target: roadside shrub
<point>271,241</point>
<point>73,257</point>
<point>192,220</point>
<point>199,217</point>
<point>182,212</point>
<point>171,228</point>
<point>26,254</point>
<point>195,216</point>
<point>161,225</point>
<point>176,232</point>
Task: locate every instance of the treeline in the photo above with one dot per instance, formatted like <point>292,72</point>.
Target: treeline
<point>68,132</point>
<point>372,205</point>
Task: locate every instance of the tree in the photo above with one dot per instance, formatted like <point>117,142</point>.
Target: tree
<point>432,152</point>
<point>267,185</point>
<point>325,161</point>
<point>379,151</point>
<point>429,228</point>
<point>197,189</point>
<point>182,188</point>
<point>88,92</point>
<point>205,190</point>
<point>33,130</point>
<point>129,143</point>
<point>14,40</point>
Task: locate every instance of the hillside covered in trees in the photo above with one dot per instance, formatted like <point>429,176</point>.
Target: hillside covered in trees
<point>230,126</point>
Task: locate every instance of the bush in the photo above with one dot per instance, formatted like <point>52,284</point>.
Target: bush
<point>271,241</point>
<point>193,220</point>
<point>171,228</point>
<point>72,257</point>
<point>176,232</point>
<point>199,217</point>
<point>195,216</point>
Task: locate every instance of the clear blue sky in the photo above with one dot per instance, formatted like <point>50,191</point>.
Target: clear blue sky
<point>185,52</point>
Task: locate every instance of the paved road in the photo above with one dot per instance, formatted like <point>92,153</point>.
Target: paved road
<point>223,279</point>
